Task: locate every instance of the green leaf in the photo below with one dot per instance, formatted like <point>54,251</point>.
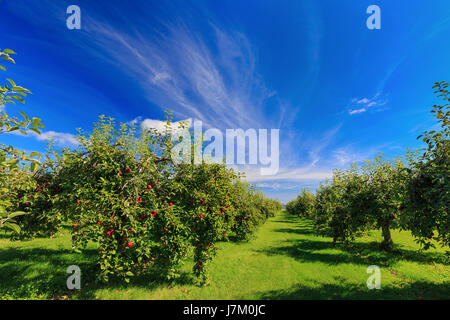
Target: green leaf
<point>20,89</point>
<point>18,98</point>
<point>12,82</point>
<point>13,129</point>
<point>12,226</point>
<point>12,161</point>
<point>8,51</point>
<point>8,58</point>
<point>35,130</point>
<point>24,115</point>
<point>16,214</point>
<point>33,166</point>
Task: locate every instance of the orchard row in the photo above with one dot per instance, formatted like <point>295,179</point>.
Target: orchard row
<point>121,190</point>
<point>409,193</point>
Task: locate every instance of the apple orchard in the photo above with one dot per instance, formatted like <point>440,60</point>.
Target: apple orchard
<point>121,190</point>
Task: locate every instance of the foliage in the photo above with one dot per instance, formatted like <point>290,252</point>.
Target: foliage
<point>427,206</point>
<point>253,209</point>
<point>121,190</point>
<point>385,194</point>
<point>360,199</point>
<point>13,180</point>
<point>303,205</point>
<point>280,263</point>
<point>336,209</point>
<point>381,194</point>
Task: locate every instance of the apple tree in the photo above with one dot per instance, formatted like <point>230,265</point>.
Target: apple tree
<point>426,209</point>
<point>15,178</point>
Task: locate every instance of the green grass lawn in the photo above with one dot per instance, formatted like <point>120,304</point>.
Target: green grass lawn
<point>284,261</point>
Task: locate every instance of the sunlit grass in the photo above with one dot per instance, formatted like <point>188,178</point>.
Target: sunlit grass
<point>285,260</point>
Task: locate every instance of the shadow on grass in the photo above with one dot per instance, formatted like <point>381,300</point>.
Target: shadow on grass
<point>356,253</point>
<point>361,253</point>
<point>350,291</point>
<point>373,250</point>
<point>145,281</point>
<point>41,274</point>
<point>309,251</point>
<point>283,221</point>
<point>296,226</point>
<point>303,231</point>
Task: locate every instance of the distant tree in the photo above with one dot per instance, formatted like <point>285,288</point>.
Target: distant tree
<point>360,199</point>
<point>392,194</point>
<point>385,192</point>
<point>302,205</point>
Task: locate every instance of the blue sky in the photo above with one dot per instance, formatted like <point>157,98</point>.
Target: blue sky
<point>337,91</point>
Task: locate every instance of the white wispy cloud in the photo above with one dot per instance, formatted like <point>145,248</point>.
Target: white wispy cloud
<point>135,121</point>
<point>317,145</point>
<point>161,126</point>
<point>345,156</point>
<point>360,105</point>
<point>277,186</point>
<point>288,174</point>
<point>356,111</point>
<point>209,75</point>
<point>215,82</point>
<point>60,138</point>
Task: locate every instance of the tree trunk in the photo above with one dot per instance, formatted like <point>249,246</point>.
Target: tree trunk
<point>387,242</point>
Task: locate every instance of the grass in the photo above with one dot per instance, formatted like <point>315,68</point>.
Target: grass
<point>284,261</point>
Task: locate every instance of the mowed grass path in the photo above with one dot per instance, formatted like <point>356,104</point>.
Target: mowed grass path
<point>284,261</point>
